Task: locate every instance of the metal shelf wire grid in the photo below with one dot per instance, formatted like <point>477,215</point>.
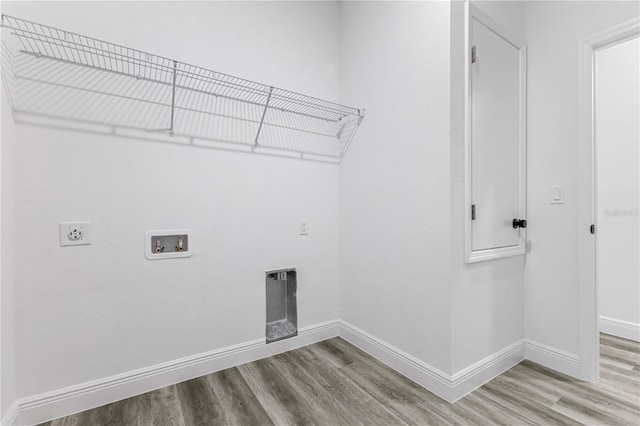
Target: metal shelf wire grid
<point>61,74</point>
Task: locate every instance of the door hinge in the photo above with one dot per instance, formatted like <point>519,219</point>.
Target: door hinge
<point>593,229</point>
<point>473,212</point>
<point>473,55</point>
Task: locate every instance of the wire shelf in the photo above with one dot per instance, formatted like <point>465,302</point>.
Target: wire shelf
<point>62,74</point>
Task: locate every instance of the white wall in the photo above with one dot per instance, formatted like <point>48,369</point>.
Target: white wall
<point>403,276</point>
<point>618,180</point>
<point>7,288</point>
<point>394,182</point>
<point>510,15</point>
<point>84,313</point>
<point>553,30</point>
<point>7,261</point>
<point>386,246</point>
<point>7,258</point>
<point>487,297</point>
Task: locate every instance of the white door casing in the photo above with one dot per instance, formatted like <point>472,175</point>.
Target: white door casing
<point>589,341</point>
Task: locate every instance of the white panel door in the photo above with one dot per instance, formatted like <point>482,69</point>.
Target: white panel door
<point>495,139</point>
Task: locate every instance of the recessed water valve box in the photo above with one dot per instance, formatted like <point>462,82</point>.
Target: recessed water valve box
<point>168,243</point>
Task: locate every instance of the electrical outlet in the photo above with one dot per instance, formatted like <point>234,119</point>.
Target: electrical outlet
<point>75,233</point>
<point>303,227</point>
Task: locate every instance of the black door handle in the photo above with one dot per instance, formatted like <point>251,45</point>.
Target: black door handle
<point>521,223</point>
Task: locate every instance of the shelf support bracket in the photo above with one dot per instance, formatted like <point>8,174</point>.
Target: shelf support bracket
<point>264,113</point>
<point>173,97</point>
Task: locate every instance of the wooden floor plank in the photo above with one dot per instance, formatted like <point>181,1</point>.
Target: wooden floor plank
<point>608,340</point>
<point>238,402</point>
<point>534,413</point>
<point>117,413</point>
<point>589,415</point>
<point>335,383</point>
<point>334,386</point>
<point>284,404</point>
<point>621,356</point>
<point>334,353</point>
<point>161,407</point>
<point>198,403</point>
<point>325,409</point>
<point>581,394</point>
<point>406,399</point>
<point>613,360</point>
<point>490,412</point>
<point>514,384</point>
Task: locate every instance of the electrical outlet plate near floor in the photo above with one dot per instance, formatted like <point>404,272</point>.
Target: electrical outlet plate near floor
<point>75,233</point>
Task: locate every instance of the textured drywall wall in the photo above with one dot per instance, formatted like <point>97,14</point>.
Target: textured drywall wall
<point>7,259</point>
<point>88,312</point>
<point>486,297</point>
<point>618,180</point>
<point>553,32</point>
<point>394,181</point>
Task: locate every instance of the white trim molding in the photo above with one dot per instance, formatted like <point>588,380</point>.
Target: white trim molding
<point>448,387</point>
<point>471,378</point>
<point>420,372</point>
<point>62,402</point>
<point>620,328</point>
<point>589,343</point>
<point>553,358</point>
<point>11,417</point>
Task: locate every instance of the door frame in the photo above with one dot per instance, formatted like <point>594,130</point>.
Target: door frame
<point>589,340</point>
<point>472,256</point>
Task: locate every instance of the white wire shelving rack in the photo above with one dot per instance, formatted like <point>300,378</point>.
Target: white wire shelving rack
<point>60,74</point>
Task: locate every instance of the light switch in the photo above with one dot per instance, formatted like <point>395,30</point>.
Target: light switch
<point>303,227</point>
<point>557,195</point>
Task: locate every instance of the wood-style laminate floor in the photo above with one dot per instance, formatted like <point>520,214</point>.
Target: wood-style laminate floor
<point>334,383</point>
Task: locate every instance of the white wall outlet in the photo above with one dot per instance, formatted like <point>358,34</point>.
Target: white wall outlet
<point>303,227</point>
<point>75,233</point>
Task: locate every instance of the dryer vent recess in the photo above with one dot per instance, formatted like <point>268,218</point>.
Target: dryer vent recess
<point>282,308</point>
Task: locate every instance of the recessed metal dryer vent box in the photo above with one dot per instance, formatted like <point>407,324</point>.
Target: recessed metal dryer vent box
<point>282,309</point>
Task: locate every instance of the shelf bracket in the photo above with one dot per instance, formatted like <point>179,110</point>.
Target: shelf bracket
<point>339,134</point>
<point>264,113</point>
<point>173,97</point>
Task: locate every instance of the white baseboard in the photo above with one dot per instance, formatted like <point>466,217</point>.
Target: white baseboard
<point>620,328</point>
<point>11,416</point>
<point>420,372</point>
<point>471,378</point>
<point>63,402</point>
<point>553,358</point>
<point>448,387</point>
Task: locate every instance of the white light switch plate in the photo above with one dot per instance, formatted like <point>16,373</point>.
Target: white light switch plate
<point>557,195</point>
<point>75,233</point>
<point>303,227</point>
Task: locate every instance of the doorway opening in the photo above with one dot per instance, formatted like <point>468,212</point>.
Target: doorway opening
<point>602,122</point>
<point>617,188</point>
